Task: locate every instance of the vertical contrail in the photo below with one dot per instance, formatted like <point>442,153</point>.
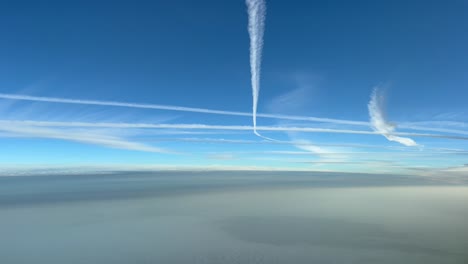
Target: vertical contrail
<point>256,10</point>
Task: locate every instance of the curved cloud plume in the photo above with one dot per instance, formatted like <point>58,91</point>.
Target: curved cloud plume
<point>379,122</point>
<point>256,11</point>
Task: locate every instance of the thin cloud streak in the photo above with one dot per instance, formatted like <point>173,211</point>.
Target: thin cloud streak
<point>435,129</point>
<point>175,108</point>
<point>181,126</point>
<point>379,122</point>
<point>396,149</point>
<point>90,138</point>
<point>427,151</point>
<point>216,127</point>
<point>437,123</point>
<point>267,142</point>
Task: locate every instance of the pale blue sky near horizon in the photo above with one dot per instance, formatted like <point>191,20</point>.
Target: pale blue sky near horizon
<point>320,59</point>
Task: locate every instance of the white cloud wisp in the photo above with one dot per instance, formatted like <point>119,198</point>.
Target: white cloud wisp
<point>379,122</point>
<point>89,138</point>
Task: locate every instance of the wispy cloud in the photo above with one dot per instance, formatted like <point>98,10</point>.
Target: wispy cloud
<point>325,154</point>
<point>284,142</point>
<point>379,122</point>
<point>297,100</point>
<point>70,135</point>
<point>338,148</point>
<point>451,127</point>
<point>222,156</point>
<point>291,102</point>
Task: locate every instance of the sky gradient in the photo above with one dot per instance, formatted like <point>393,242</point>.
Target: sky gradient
<point>368,86</point>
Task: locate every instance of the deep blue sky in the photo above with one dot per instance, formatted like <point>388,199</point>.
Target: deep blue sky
<point>196,53</point>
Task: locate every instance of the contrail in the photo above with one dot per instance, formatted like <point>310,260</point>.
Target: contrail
<point>176,108</point>
<point>119,104</point>
<point>178,126</point>
<point>217,112</point>
<point>256,10</point>
<point>380,124</point>
<point>436,129</point>
<point>215,127</point>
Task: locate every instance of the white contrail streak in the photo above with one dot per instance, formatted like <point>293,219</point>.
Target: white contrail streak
<point>5,123</point>
<point>435,129</point>
<point>256,10</point>
<point>410,126</point>
<point>175,108</point>
<point>119,104</point>
<point>380,124</point>
<point>179,126</point>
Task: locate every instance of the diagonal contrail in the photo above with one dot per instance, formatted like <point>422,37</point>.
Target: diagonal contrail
<point>176,108</point>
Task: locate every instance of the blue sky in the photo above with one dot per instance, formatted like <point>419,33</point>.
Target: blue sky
<point>322,59</point>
